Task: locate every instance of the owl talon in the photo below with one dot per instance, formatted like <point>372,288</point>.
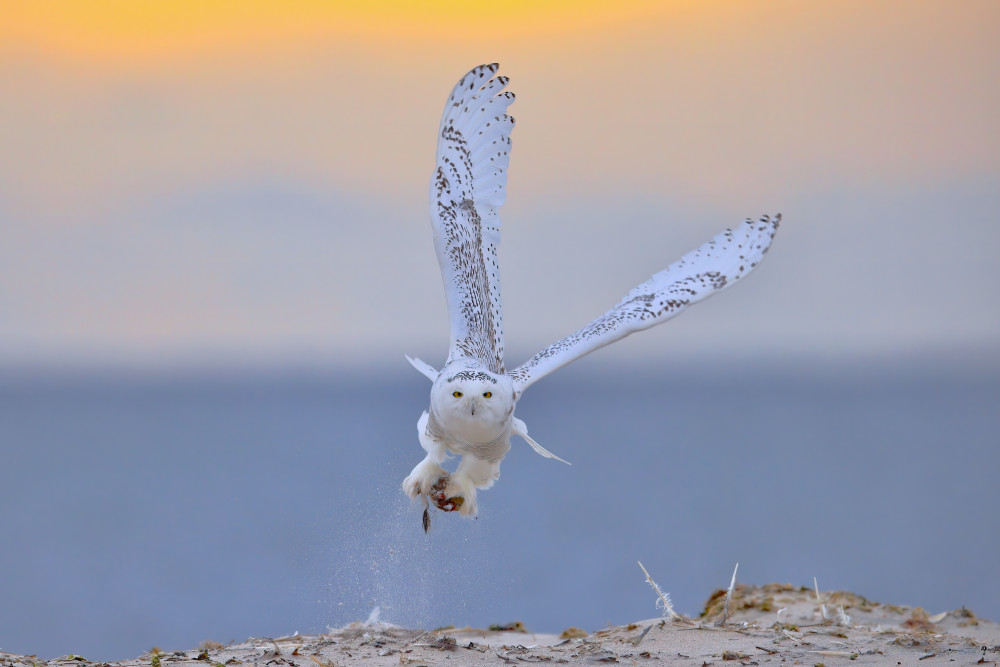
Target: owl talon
<point>437,496</point>
<point>452,504</point>
<point>446,503</point>
<point>448,492</point>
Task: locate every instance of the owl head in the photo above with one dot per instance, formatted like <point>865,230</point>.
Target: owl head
<point>474,401</point>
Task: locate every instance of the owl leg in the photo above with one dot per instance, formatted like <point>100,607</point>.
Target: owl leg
<point>471,474</point>
<point>426,474</point>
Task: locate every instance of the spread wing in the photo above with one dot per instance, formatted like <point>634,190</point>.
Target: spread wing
<point>698,275</point>
<point>468,186</point>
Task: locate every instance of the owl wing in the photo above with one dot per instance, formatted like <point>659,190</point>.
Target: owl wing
<point>468,187</point>
<point>698,275</point>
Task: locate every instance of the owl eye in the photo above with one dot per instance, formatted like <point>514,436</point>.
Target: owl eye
<point>487,394</point>
<point>456,394</point>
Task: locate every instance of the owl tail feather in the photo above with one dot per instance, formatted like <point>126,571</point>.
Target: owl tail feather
<point>521,429</point>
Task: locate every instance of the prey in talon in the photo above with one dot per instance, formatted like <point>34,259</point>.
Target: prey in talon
<point>440,500</point>
<point>473,396</point>
<point>443,502</point>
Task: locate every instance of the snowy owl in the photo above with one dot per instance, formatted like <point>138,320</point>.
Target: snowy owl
<point>473,396</point>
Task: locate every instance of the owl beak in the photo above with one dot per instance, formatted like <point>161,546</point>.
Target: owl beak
<point>473,404</point>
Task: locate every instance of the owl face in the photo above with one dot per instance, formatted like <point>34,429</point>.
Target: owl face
<point>474,404</point>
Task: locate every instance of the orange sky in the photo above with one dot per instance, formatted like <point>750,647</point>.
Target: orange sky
<point>148,31</point>
<point>113,111</point>
<point>875,91</point>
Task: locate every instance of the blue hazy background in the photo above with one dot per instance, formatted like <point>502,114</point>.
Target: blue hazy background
<point>142,511</point>
<point>214,252</point>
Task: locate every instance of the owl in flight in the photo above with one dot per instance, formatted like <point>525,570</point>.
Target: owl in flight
<point>473,396</point>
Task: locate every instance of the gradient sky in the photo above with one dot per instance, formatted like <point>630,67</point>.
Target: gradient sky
<point>247,181</point>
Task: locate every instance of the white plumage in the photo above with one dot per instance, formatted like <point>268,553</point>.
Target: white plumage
<point>473,396</point>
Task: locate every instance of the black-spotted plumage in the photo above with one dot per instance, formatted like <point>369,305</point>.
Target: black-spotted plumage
<point>473,396</point>
<point>469,185</point>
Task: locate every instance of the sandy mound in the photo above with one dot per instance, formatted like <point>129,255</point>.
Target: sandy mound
<point>777,623</point>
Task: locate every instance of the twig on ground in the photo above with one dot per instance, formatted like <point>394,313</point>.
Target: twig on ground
<point>638,640</point>
<point>664,600</point>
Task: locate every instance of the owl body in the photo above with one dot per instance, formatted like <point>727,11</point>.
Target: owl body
<point>473,396</point>
<point>471,415</point>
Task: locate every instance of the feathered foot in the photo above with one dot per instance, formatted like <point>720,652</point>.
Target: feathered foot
<point>432,483</point>
<point>440,495</point>
<point>424,476</point>
<point>458,494</point>
<point>444,496</point>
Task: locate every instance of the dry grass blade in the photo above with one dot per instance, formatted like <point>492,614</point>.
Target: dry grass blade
<point>729,596</point>
<point>836,654</point>
<point>819,600</point>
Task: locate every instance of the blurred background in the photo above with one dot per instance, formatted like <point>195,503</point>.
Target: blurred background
<point>215,251</point>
